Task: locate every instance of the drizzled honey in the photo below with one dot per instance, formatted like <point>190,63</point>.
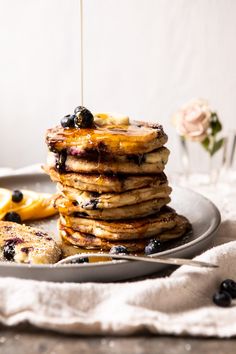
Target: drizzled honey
<point>136,138</point>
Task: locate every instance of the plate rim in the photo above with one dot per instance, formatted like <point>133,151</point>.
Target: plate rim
<point>208,233</point>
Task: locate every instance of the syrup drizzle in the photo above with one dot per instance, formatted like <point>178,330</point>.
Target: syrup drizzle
<point>81,54</point>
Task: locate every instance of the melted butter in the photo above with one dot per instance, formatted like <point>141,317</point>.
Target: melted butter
<point>104,119</point>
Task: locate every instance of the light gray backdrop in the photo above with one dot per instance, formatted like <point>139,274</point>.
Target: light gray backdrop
<point>142,57</point>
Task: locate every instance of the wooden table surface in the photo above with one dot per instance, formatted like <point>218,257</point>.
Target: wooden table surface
<point>26,340</point>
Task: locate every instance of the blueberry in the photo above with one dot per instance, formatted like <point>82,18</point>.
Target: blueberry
<point>229,285</point>
<point>83,118</point>
<point>68,121</point>
<point>17,196</point>
<point>118,250</point>
<point>26,250</point>
<point>12,216</point>
<point>9,248</point>
<point>91,204</point>
<point>61,161</point>
<point>80,260</point>
<point>154,246</point>
<point>9,251</point>
<point>78,109</point>
<point>222,298</point>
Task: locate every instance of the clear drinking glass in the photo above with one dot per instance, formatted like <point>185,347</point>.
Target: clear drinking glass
<point>228,173</point>
<point>198,167</point>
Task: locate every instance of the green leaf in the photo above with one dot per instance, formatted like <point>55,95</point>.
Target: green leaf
<point>214,116</point>
<point>216,125</point>
<point>205,143</point>
<point>217,145</point>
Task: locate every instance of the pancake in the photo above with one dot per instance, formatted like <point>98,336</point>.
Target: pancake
<point>105,183</point>
<point>92,201</point>
<point>75,212</point>
<point>91,242</point>
<point>135,138</point>
<point>152,157</point>
<point>25,244</point>
<point>131,165</point>
<point>126,229</point>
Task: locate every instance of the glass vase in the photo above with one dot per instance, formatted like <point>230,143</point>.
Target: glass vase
<point>198,166</point>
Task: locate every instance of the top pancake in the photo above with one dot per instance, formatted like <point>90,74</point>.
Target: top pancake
<point>135,138</point>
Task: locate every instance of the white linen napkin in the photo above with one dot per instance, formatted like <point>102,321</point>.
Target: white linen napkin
<point>180,304</point>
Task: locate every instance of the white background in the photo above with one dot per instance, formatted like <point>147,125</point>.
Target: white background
<point>142,57</point>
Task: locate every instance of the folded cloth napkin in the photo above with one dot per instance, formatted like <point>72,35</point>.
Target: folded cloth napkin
<point>180,304</point>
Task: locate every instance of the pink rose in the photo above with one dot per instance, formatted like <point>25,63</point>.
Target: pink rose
<point>193,119</point>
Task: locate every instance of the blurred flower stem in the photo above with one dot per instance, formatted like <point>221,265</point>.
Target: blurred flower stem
<point>211,144</point>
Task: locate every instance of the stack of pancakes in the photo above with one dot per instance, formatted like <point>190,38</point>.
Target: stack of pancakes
<point>111,186</point>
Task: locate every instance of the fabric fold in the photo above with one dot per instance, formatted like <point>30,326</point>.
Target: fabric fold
<point>178,304</point>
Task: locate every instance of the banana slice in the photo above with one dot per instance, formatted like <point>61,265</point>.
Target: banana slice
<point>27,207</point>
<point>5,199</point>
<point>103,119</point>
<point>46,207</point>
<point>32,207</point>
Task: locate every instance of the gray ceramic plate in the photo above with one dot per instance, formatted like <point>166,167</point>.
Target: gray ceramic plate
<point>203,215</point>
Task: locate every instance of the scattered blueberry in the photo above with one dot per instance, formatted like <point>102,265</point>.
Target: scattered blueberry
<point>80,260</point>
<point>13,217</point>
<point>118,250</point>
<point>229,285</point>
<point>154,246</point>
<point>83,118</point>
<point>17,196</point>
<point>68,121</point>
<point>222,298</point>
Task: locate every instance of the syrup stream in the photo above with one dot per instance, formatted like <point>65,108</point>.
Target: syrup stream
<point>81,54</point>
